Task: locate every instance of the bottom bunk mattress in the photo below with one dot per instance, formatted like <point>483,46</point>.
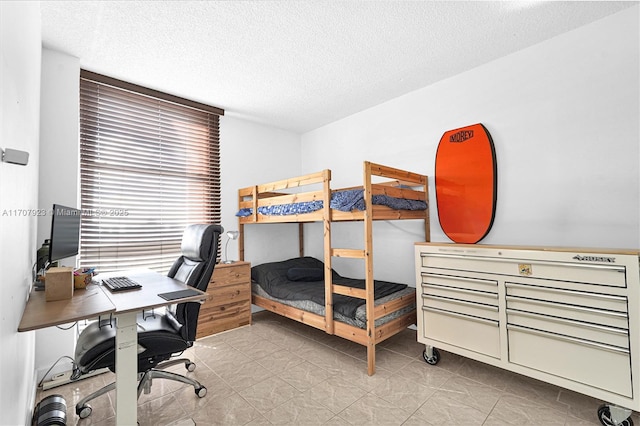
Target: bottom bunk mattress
<point>299,283</point>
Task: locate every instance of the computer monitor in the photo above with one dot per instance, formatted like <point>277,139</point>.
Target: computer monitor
<point>65,232</point>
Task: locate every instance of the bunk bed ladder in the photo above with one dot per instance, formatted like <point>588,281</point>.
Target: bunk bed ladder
<point>368,260</point>
<point>366,254</point>
<point>399,178</point>
<point>328,282</point>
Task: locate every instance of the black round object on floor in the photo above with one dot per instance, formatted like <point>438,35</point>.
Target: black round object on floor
<point>51,411</point>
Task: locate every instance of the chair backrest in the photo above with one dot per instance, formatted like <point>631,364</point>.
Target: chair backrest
<point>195,267</point>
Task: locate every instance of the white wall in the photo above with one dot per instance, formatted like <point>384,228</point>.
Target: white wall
<point>59,136</point>
<point>252,153</point>
<point>59,180</point>
<point>564,118</point>
<point>19,123</point>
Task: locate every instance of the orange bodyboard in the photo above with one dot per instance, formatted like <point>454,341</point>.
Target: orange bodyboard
<point>466,183</point>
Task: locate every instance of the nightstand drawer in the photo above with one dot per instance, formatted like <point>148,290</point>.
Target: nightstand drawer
<point>229,274</point>
<point>225,294</point>
<point>214,319</point>
<point>228,305</point>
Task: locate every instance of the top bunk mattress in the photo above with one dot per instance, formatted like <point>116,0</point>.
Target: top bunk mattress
<point>346,201</point>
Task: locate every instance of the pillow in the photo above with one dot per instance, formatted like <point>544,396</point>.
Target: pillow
<point>305,274</point>
<point>266,273</point>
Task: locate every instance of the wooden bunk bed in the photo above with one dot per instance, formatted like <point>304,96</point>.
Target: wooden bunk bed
<point>398,184</point>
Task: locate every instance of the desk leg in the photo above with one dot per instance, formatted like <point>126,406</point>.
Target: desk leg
<point>126,369</point>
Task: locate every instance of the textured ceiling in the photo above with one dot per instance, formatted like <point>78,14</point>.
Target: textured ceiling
<point>300,65</point>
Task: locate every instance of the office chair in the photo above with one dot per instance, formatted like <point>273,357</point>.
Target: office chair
<point>159,335</point>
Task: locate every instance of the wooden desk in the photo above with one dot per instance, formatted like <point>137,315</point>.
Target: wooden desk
<point>85,303</point>
<point>125,306</point>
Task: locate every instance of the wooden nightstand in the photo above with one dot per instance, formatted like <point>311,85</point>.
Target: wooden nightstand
<point>229,303</point>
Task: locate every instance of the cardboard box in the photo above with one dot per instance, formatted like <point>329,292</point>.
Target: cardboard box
<point>58,284</point>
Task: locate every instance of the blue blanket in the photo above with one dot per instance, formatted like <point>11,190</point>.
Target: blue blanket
<point>346,201</point>
<point>353,199</point>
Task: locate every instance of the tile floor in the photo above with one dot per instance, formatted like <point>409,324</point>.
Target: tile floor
<point>278,371</point>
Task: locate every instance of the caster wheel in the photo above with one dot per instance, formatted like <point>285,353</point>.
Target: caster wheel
<point>433,360</point>
<point>84,411</point>
<point>190,366</point>
<point>201,392</point>
<point>604,414</point>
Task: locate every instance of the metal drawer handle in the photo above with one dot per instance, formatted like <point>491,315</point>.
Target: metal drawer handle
<point>463,290</point>
<point>613,268</point>
<point>568,339</point>
<point>563,291</point>
<point>457,278</point>
<point>461,302</point>
<point>563,306</point>
<point>580,324</point>
<point>458,315</point>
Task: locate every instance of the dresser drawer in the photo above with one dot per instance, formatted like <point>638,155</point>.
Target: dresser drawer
<point>461,307</point>
<point>477,284</point>
<point>471,333</point>
<point>572,312</point>
<point>224,275</point>
<point>570,297</point>
<point>599,366</point>
<point>226,294</point>
<point>214,319</point>
<point>570,328</point>
<point>461,294</point>
<point>606,275</point>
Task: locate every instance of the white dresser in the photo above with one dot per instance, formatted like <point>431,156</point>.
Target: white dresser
<point>567,316</point>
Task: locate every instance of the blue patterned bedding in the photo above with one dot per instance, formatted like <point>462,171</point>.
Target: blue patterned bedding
<point>346,201</point>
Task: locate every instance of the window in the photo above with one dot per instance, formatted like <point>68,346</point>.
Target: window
<point>149,166</point>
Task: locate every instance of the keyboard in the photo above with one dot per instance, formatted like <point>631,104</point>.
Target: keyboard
<point>120,284</point>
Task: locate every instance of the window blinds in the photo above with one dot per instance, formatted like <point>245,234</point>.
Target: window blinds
<point>149,166</point>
